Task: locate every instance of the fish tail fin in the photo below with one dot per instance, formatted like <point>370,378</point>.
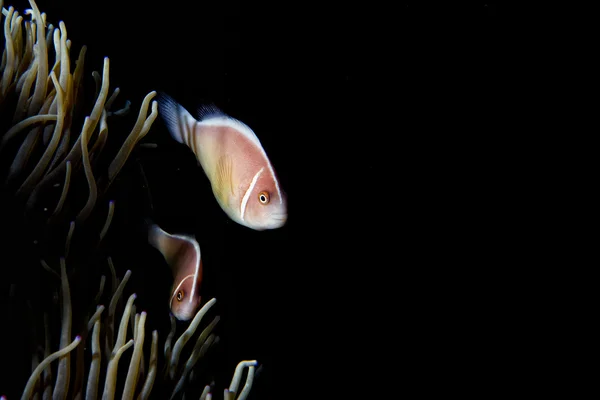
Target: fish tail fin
<point>176,118</point>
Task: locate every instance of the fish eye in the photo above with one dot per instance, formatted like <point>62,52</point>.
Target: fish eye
<point>180,295</point>
<point>263,197</point>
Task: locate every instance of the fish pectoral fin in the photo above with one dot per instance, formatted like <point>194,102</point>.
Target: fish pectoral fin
<point>224,176</point>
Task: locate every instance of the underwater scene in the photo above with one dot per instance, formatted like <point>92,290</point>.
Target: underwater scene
<point>223,199</point>
<point>145,186</point>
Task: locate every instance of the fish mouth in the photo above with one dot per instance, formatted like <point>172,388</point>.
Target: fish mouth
<point>278,220</point>
<point>184,315</point>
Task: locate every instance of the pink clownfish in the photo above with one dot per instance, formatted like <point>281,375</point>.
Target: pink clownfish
<point>242,178</point>
<point>182,254</point>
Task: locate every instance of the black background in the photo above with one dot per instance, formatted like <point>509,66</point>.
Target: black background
<point>378,121</point>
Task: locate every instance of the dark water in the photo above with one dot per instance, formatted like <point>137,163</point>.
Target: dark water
<point>348,104</point>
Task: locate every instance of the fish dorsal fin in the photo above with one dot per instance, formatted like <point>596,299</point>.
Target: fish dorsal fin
<point>224,176</point>
<point>209,111</point>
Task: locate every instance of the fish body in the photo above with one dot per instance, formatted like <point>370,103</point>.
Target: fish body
<point>242,178</point>
<point>182,254</point>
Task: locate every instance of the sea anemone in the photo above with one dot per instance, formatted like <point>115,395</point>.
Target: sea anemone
<point>106,352</point>
<point>58,165</point>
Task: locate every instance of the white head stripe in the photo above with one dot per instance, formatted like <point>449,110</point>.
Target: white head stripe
<point>248,191</point>
<point>181,283</point>
<point>247,132</point>
<point>196,266</point>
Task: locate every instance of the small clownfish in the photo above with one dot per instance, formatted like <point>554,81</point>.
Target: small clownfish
<point>241,176</point>
<point>182,254</point>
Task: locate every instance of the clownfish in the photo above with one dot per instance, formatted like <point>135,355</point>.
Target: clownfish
<point>242,178</point>
<point>182,254</point>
